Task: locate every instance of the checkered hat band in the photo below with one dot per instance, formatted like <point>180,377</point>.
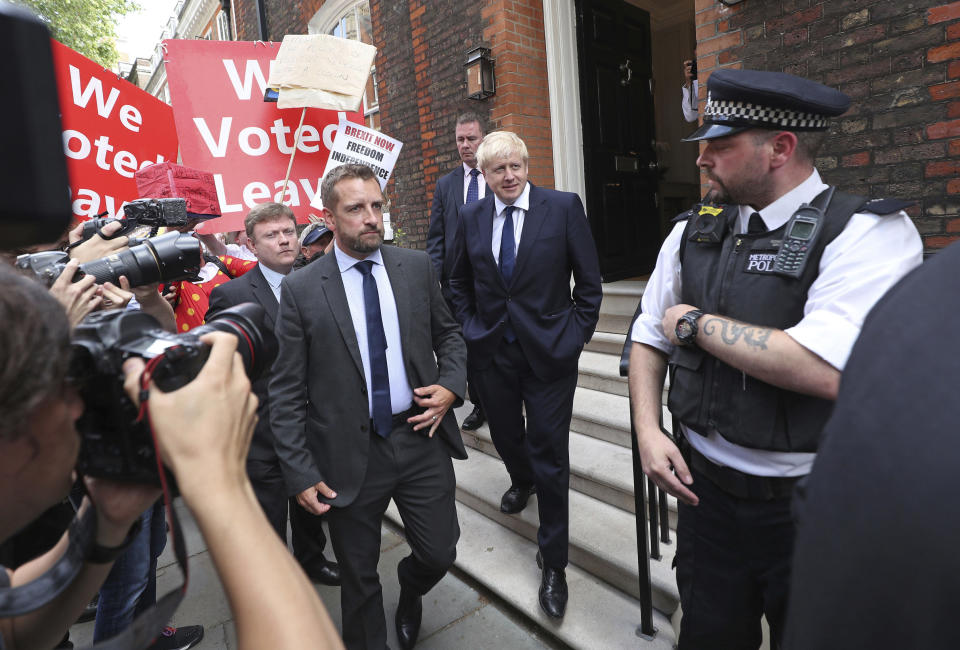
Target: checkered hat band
<point>727,111</point>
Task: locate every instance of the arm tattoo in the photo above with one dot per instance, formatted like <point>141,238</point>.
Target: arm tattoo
<point>731,332</point>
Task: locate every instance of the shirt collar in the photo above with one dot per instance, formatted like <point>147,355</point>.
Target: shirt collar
<point>467,168</point>
<point>522,202</point>
<point>345,262</point>
<point>779,212</point>
<point>273,278</point>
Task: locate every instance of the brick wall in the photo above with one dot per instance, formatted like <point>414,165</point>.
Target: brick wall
<point>898,61</point>
<point>283,17</point>
<point>514,28</point>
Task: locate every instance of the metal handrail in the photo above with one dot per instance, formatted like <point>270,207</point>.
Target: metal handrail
<point>653,509</point>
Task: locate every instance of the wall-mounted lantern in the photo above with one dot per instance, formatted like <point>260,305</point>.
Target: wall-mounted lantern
<point>479,66</point>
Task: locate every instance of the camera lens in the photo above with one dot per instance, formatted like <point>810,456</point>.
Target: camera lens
<point>255,342</point>
<point>167,258</point>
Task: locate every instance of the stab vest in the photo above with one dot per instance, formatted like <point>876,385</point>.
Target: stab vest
<point>734,278</point>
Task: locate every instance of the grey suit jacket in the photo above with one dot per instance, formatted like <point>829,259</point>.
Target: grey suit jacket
<point>319,410</point>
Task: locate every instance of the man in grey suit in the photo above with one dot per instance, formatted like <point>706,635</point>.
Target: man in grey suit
<point>358,331</point>
<point>463,185</point>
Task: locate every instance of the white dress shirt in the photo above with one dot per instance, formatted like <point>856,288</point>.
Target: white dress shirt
<point>273,279</point>
<point>401,395</point>
<point>690,101</point>
<point>520,207</point>
<point>857,268</point>
<point>481,184</point>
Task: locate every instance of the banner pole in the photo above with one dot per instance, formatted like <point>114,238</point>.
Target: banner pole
<point>293,153</point>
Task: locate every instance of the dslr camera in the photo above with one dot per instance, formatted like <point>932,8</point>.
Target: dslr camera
<point>155,213</point>
<point>170,257</point>
<point>117,443</point>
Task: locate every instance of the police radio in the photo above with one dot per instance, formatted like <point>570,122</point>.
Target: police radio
<point>800,235</point>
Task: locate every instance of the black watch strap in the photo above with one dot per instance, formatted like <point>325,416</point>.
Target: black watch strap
<point>105,554</point>
<point>690,320</point>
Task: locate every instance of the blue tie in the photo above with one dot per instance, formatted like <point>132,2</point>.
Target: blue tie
<point>377,346</point>
<point>473,189</point>
<point>508,260</point>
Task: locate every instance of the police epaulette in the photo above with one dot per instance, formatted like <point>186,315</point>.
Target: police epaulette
<point>885,206</point>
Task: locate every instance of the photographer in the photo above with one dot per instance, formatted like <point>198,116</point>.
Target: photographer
<point>203,437</point>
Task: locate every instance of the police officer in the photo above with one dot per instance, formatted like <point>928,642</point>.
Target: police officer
<point>755,338</point>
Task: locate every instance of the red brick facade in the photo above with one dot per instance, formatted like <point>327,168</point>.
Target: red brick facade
<point>899,61</point>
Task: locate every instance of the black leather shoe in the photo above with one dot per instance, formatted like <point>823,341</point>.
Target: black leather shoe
<point>515,499</point>
<point>475,420</point>
<point>409,615</point>
<point>327,573</point>
<point>553,590</point>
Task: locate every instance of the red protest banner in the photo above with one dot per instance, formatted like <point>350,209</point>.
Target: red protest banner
<point>225,127</point>
<point>111,128</point>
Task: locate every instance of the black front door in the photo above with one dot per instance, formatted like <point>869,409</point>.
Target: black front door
<point>613,40</point>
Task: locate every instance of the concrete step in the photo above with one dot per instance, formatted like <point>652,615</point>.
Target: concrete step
<point>598,469</point>
<point>601,372</point>
<point>598,616</point>
<point>606,343</point>
<point>621,298</point>
<point>614,323</point>
<point>601,415</point>
<point>602,536</point>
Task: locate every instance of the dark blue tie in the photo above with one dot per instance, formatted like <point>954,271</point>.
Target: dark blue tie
<point>473,189</point>
<point>508,260</point>
<point>377,347</point>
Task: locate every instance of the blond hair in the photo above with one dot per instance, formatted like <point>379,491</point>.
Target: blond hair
<point>498,145</point>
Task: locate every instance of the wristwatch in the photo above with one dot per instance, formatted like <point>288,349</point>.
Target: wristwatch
<point>686,329</point>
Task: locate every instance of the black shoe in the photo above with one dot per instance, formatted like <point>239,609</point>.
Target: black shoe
<point>553,590</point>
<point>409,615</point>
<point>475,420</point>
<point>515,499</point>
<point>327,573</point>
<point>178,638</point>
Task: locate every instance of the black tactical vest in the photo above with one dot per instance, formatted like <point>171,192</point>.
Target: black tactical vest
<point>734,278</point>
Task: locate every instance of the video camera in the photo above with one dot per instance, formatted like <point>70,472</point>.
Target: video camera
<point>155,213</point>
<point>116,442</point>
<point>170,257</point>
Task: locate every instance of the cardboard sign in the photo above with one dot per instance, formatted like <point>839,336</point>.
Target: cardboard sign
<point>225,127</point>
<point>322,71</point>
<point>111,128</point>
<point>361,145</point>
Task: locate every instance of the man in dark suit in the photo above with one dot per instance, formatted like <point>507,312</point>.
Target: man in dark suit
<point>358,331</point>
<point>463,185</point>
<point>510,281</point>
<point>272,233</point>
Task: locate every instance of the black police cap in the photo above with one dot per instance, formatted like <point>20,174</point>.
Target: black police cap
<point>738,100</point>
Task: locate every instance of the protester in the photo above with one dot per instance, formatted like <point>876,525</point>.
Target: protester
<point>316,240</point>
<point>371,364</point>
<point>202,429</point>
<point>525,327</point>
<point>461,186</point>
<point>755,350</point>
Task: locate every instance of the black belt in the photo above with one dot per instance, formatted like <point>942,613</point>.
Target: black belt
<point>735,482</point>
<point>398,419</point>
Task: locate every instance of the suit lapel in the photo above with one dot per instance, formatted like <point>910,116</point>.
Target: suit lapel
<point>400,285</point>
<point>532,222</point>
<point>331,283</point>
<point>264,294</point>
<point>485,225</point>
<point>458,191</point>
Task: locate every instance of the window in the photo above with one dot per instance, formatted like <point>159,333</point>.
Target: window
<point>350,19</point>
<point>223,26</point>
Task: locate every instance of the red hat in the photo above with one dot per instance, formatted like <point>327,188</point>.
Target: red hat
<point>170,180</point>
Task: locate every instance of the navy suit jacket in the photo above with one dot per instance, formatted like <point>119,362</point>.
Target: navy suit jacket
<point>551,323</point>
<point>448,199</point>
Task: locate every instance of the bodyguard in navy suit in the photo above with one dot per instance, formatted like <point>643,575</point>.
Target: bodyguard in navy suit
<point>510,280</point>
<point>463,185</point>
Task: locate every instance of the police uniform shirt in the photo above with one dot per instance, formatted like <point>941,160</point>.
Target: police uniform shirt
<point>856,269</point>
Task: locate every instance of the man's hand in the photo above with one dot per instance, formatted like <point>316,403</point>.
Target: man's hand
<point>203,430</point>
<point>113,296</point>
<point>660,458</point>
<point>78,298</point>
<point>437,401</point>
<point>118,506</point>
<point>96,247</point>
<point>670,318</point>
<point>308,498</point>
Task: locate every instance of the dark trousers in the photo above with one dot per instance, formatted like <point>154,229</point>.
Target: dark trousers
<point>417,473</point>
<point>307,534</point>
<point>472,372</point>
<point>535,453</point>
<point>733,566</point>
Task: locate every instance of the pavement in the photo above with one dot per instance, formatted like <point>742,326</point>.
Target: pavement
<point>457,613</point>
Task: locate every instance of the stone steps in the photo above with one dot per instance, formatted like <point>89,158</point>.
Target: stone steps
<point>606,343</point>
<point>601,372</point>
<point>598,615</point>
